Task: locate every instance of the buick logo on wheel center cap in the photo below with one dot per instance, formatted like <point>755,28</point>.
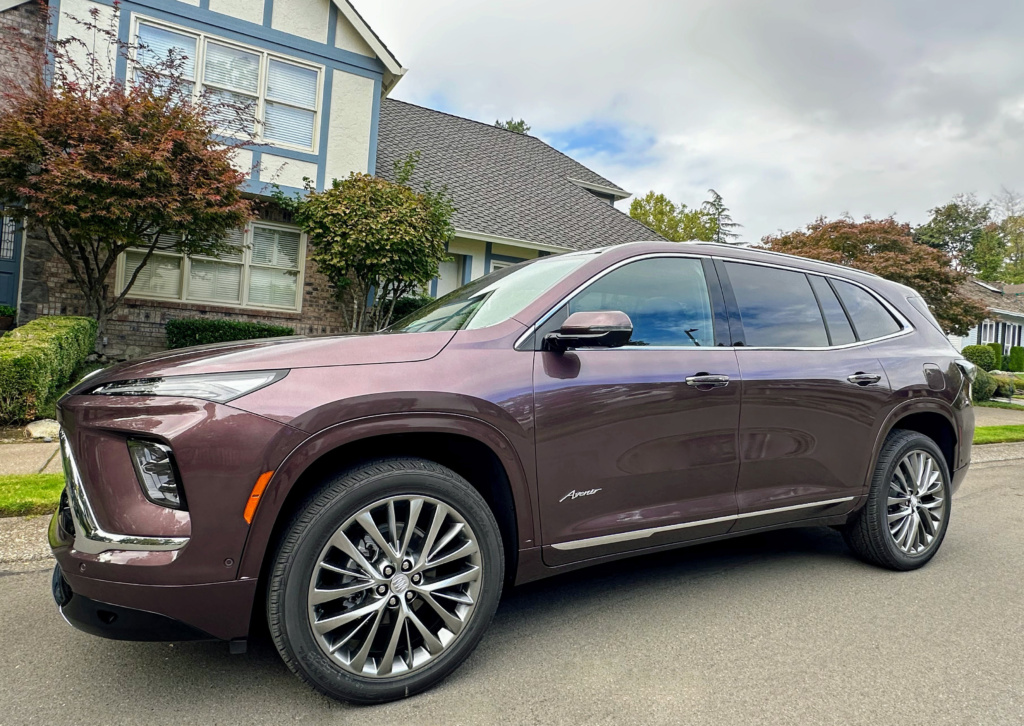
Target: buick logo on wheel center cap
<point>399,584</point>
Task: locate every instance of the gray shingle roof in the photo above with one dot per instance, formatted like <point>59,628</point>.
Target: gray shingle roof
<point>503,183</point>
<point>996,295</point>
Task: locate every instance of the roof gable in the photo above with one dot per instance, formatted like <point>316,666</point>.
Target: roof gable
<point>395,71</point>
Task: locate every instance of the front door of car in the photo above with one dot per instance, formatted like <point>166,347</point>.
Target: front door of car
<point>633,449</point>
<point>812,395</point>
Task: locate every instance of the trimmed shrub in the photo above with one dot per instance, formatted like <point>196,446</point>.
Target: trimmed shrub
<point>981,356</point>
<point>984,386</point>
<point>185,332</point>
<point>409,304</point>
<point>997,350</point>
<point>1006,386</point>
<point>1016,360</point>
<point>37,360</point>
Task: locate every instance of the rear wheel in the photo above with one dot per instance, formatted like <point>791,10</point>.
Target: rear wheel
<point>904,521</point>
<point>385,581</point>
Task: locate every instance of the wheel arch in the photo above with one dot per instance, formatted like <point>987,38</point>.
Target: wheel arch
<point>475,450</point>
<point>931,418</point>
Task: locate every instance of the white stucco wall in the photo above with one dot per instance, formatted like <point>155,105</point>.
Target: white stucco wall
<point>286,172</point>
<point>248,10</point>
<point>348,141</point>
<point>104,50</point>
<point>347,38</point>
<point>305,18</point>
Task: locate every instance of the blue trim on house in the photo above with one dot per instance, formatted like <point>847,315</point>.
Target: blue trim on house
<point>487,257</point>
<point>433,287</point>
<point>268,13</point>
<point>371,162</point>
<point>124,24</point>
<point>467,269</point>
<point>326,109</point>
<point>332,24</point>
<point>257,163</point>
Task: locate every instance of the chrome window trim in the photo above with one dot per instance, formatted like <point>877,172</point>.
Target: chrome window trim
<point>644,533</point>
<point>908,328</point>
<point>92,539</point>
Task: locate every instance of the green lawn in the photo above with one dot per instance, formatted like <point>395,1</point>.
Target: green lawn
<point>22,494</point>
<point>998,434</point>
<point>1000,404</point>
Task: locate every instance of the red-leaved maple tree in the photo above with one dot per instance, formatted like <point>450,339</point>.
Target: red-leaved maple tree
<point>887,248</point>
<point>99,165</point>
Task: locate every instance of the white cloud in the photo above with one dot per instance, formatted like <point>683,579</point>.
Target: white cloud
<point>790,109</point>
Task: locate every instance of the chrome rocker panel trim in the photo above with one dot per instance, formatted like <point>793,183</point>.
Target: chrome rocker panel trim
<point>643,533</point>
<point>92,539</point>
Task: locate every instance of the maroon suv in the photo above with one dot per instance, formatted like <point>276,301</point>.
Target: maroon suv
<point>373,494</point>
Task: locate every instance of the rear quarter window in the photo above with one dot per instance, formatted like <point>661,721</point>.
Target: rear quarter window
<point>869,317</point>
<point>777,307</point>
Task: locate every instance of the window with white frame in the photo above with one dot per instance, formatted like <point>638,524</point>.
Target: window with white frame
<point>284,94</point>
<point>263,270</point>
<point>988,332</point>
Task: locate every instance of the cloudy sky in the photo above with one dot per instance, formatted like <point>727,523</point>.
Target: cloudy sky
<point>789,108</point>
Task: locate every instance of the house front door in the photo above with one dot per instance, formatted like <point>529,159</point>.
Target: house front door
<point>10,260</point>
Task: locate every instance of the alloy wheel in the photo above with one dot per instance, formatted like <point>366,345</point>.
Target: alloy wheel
<point>395,586</point>
<point>916,503</point>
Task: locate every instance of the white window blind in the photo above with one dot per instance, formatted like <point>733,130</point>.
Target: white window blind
<point>156,44</point>
<point>261,269</point>
<point>291,103</point>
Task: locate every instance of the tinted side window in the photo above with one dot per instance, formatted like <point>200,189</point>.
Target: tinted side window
<point>666,298</point>
<point>870,318</point>
<point>839,330</point>
<point>777,307</point>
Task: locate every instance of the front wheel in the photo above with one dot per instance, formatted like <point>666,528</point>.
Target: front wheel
<point>904,521</point>
<point>385,581</point>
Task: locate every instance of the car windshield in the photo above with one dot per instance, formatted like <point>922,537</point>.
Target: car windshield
<point>493,298</point>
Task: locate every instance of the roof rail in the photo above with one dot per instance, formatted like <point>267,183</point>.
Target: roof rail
<point>786,255</point>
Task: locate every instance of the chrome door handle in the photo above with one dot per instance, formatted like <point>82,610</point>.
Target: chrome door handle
<point>704,380</point>
<point>864,379</point>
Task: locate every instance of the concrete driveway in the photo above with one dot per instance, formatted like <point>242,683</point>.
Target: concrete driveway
<point>782,628</point>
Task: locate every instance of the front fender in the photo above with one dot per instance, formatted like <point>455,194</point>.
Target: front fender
<point>321,444</point>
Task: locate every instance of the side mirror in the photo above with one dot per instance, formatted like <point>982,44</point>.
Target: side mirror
<point>606,329</point>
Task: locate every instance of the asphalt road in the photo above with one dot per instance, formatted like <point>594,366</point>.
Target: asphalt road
<point>782,628</point>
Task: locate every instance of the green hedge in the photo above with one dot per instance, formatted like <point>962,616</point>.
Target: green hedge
<point>36,362</point>
<point>1016,360</point>
<point>184,332</point>
<point>1006,386</point>
<point>981,356</point>
<point>997,350</point>
<point>984,387</point>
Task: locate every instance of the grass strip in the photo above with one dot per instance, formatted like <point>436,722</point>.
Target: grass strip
<point>23,494</point>
<point>998,434</point>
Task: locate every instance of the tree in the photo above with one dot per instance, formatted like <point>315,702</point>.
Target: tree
<point>956,229</point>
<point>673,222</point>
<point>373,237</point>
<point>1009,208</point>
<point>887,248</point>
<point>99,166</point>
<point>519,127</point>
<point>725,228</point>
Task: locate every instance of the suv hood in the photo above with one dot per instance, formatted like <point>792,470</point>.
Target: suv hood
<point>280,353</point>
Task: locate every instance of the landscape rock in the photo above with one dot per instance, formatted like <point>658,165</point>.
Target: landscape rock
<point>47,428</point>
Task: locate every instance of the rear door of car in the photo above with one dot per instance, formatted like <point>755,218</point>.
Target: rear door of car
<point>812,390</point>
<point>633,450</point>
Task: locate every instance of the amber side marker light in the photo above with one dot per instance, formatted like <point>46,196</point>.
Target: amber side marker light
<point>254,498</point>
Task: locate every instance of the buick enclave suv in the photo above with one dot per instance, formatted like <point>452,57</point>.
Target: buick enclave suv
<point>371,495</point>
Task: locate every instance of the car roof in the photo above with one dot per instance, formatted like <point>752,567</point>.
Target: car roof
<point>735,252</point>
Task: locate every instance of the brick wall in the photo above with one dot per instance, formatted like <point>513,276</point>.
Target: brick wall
<point>24,24</point>
<point>137,327</point>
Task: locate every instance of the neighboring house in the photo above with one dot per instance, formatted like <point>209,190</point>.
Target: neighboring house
<point>1005,321</point>
<point>319,77</point>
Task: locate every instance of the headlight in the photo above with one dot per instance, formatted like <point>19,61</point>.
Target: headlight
<point>154,466</point>
<point>219,387</point>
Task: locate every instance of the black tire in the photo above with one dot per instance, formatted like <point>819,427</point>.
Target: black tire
<point>867,534</point>
<point>328,508</point>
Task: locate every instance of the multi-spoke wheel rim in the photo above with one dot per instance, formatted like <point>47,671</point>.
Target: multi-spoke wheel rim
<point>395,586</point>
<point>917,502</point>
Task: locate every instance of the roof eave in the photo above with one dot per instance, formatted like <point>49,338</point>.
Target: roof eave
<point>393,69</point>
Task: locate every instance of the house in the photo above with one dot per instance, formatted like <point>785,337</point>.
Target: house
<point>320,80</point>
<point>1005,321</point>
